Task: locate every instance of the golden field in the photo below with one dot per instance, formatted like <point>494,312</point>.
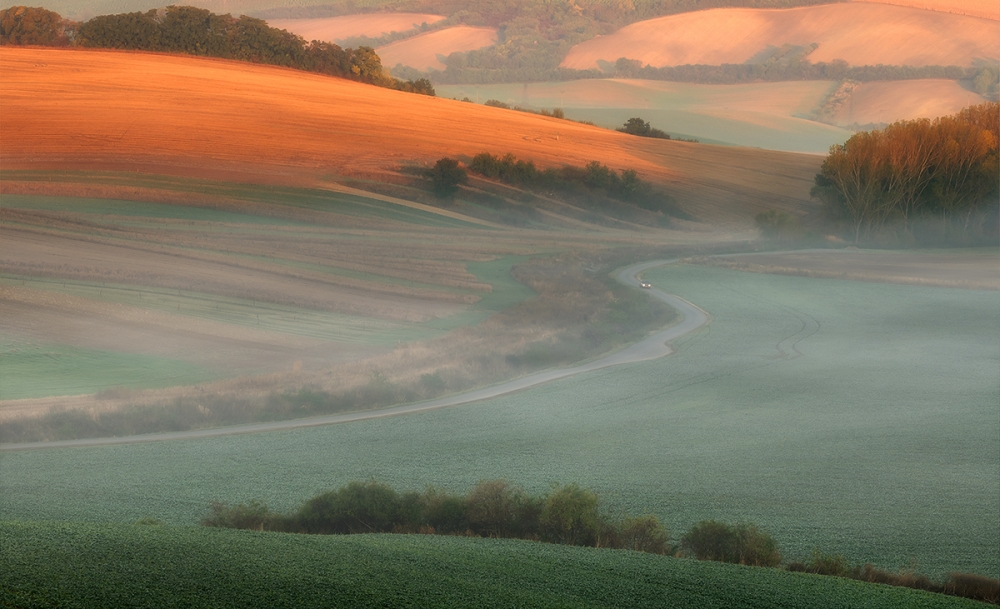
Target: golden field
<point>858,33</point>
<point>184,116</point>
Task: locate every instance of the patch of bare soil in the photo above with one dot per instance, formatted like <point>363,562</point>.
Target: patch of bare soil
<point>974,269</point>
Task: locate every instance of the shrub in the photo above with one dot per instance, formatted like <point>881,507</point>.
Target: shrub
<point>744,544</point>
<point>774,224</point>
<point>637,126</point>
<point>359,507</point>
<point>445,176</point>
<point>644,534</point>
<point>570,516</point>
<point>492,508</point>
<point>444,512</point>
<point>972,586</point>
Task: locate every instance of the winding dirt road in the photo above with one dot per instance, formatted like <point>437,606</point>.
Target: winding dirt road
<point>652,347</point>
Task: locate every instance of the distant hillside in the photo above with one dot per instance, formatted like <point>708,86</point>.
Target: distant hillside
<point>858,33</point>
<point>259,124</point>
<point>422,52</point>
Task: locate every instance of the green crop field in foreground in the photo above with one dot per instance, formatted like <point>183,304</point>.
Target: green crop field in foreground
<point>857,417</point>
<point>77,565</point>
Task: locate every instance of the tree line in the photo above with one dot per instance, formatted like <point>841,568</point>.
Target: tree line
<point>917,176</point>
<point>195,31</point>
<point>568,515</point>
<point>624,185</point>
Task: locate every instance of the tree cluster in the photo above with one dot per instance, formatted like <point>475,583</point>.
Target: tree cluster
<point>195,31</point>
<point>946,170</point>
<point>22,25</point>
<point>568,515</point>
<point>624,186</point>
<point>637,126</point>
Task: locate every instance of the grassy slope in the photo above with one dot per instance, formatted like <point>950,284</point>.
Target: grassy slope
<point>878,442</point>
<point>78,565</point>
<point>264,124</point>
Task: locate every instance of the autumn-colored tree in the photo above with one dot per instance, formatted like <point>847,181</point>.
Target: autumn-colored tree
<point>34,26</point>
<point>946,168</point>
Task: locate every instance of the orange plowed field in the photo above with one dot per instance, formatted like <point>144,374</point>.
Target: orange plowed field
<point>421,51</point>
<point>988,9</point>
<point>858,33</point>
<point>339,28</point>
<point>188,116</point>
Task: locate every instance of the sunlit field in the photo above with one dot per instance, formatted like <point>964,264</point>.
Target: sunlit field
<point>859,418</point>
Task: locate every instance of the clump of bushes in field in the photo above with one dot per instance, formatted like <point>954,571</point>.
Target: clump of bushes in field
<point>568,515</point>
<point>595,186</point>
<point>967,585</point>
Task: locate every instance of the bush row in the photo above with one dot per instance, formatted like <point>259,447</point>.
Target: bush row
<point>568,515</point>
<point>624,186</point>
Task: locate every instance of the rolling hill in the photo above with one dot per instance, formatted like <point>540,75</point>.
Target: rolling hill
<point>421,52</point>
<point>185,116</point>
<point>858,33</point>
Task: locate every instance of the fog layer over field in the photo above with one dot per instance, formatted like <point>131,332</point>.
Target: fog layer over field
<point>856,417</point>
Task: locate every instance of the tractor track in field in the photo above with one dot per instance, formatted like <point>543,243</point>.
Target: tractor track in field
<point>652,347</point>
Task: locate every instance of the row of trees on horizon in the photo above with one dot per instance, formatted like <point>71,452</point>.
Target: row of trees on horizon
<point>939,175</point>
<point>195,31</point>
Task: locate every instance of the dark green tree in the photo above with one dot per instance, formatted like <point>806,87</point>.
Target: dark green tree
<point>446,175</point>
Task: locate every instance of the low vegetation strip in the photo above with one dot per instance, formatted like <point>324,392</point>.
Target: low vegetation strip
<point>44,564</point>
<point>566,515</point>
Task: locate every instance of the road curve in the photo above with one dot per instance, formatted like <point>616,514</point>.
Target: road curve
<point>652,347</point>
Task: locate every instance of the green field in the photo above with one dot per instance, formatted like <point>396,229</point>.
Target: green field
<point>773,116</point>
<point>32,370</point>
<point>76,565</point>
<point>859,418</point>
